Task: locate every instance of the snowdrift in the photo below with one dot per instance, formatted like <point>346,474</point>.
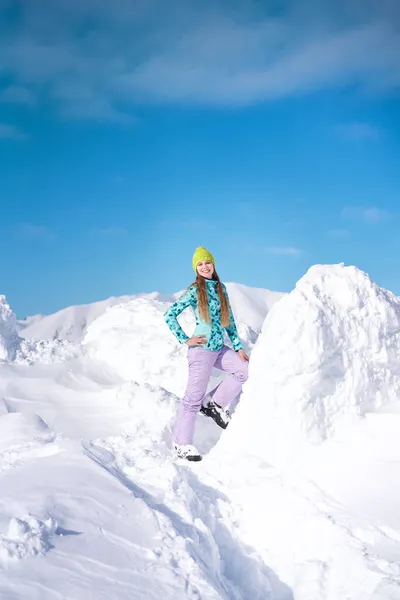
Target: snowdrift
<point>134,339</point>
<point>328,354</point>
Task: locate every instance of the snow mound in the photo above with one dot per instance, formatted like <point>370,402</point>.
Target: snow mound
<point>329,353</point>
<point>26,537</point>
<point>8,331</point>
<point>134,339</point>
<point>46,352</point>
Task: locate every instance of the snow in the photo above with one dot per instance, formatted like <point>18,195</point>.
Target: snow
<point>328,354</point>
<point>69,323</point>
<point>126,336</point>
<point>297,500</point>
<point>320,454</point>
<point>8,332</point>
<point>46,351</point>
<point>249,304</point>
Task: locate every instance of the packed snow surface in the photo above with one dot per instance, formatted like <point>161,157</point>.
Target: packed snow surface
<point>297,500</point>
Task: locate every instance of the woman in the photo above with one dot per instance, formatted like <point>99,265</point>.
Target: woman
<point>209,299</point>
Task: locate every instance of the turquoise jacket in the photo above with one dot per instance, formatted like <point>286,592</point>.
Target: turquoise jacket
<point>214,332</point>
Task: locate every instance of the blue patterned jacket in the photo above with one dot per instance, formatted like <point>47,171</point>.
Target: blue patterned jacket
<point>213,331</point>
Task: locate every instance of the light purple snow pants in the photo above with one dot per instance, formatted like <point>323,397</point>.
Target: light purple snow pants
<point>201,363</point>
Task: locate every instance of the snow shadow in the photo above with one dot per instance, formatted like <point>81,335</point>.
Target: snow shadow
<point>64,532</point>
<point>228,565</point>
<point>240,564</point>
<point>207,434</point>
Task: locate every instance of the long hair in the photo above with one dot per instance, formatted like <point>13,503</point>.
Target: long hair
<point>200,283</point>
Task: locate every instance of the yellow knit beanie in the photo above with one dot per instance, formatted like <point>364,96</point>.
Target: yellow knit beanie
<point>200,254</point>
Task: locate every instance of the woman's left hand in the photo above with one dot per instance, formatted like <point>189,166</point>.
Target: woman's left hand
<point>243,355</point>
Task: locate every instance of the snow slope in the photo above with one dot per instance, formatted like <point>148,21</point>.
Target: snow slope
<point>297,500</point>
<point>250,306</point>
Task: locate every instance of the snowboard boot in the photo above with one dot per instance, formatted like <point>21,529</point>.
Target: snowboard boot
<point>220,415</point>
<point>187,451</point>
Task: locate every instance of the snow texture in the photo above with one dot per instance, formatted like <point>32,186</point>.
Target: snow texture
<point>46,351</point>
<point>328,354</point>
<point>26,537</point>
<point>8,332</point>
<point>297,500</point>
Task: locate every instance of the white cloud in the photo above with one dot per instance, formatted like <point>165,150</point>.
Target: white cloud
<point>371,214</point>
<point>284,250</point>
<point>11,132</point>
<point>211,52</point>
<point>259,62</point>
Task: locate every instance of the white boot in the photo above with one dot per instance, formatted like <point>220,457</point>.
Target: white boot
<point>187,451</point>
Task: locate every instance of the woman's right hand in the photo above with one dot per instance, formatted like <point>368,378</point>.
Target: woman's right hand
<point>196,340</point>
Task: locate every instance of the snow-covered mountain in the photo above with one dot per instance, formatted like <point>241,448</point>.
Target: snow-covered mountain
<point>250,306</point>
<point>297,500</point>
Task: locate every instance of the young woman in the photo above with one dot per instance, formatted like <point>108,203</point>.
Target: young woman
<point>209,299</point>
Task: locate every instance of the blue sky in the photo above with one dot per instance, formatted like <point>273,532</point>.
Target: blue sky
<point>131,132</point>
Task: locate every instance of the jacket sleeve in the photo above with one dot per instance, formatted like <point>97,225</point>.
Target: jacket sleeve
<point>231,329</point>
<point>187,299</point>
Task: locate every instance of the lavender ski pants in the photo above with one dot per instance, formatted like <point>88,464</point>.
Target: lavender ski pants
<point>201,363</point>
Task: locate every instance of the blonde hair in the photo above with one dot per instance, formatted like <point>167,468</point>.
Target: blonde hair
<point>202,299</point>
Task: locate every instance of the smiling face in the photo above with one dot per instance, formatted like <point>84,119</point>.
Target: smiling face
<point>205,268</point>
